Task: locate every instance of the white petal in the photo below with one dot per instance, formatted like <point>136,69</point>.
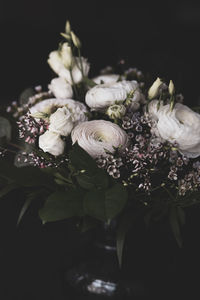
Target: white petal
<point>104,95</point>
<point>109,78</point>
<point>97,136</point>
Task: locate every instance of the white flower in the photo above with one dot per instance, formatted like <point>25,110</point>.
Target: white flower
<point>98,136</point>
<point>181,125</point>
<point>52,143</point>
<point>78,110</point>
<point>60,88</point>
<point>66,55</point>
<point>61,121</point>
<point>154,89</point>
<point>116,111</point>
<point>57,63</point>
<point>104,95</point>
<point>108,78</point>
<point>154,108</point>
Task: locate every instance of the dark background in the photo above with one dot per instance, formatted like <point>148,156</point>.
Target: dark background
<point>161,38</point>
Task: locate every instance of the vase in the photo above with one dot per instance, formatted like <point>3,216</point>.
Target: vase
<point>99,276</point>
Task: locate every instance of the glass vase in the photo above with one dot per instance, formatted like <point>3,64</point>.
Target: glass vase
<point>99,276</point>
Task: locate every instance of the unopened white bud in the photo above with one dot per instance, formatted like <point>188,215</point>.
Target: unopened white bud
<point>67,27</point>
<point>154,89</point>
<point>171,88</point>
<point>75,40</point>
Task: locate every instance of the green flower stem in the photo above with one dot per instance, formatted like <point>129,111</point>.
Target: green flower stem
<point>73,83</point>
<point>81,63</point>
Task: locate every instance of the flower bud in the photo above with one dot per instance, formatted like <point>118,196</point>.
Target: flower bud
<point>171,88</point>
<point>116,111</point>
<point>154,89</point>
<point>67,27</point>
<point>66,55</point>
<point>75,40</point>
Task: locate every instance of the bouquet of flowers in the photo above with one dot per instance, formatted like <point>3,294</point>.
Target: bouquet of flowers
<point>113,146</point>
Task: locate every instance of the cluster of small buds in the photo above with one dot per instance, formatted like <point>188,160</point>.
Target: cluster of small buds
<point>190,183</point>
<point>30,129</point>
<point>107,70</point>
<point>173,173</point>
<point>18,111</point>
<point>36,160</point>
<point>37,98</point>
<point>2,152</point>
<point>111,164</point>
<point>179,98</point>
<point>133,74</point>
<point>135,121</point>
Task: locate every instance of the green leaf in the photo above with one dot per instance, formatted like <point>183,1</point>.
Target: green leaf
<point>89,82</point>
<point>24,209</point>
<point>5,128</point>
<point>104,205</point>
<point>30,197</point>
<point>62,205</point>
<point>98,180</point>
<point>85,181</point>
<point>27,176</point>
<point>101,179</point>
<point>81,160</point>
<point>175,225</point>
<point>8,188</point>
<point>115,200</point>
<point>94,204</point>
<point>25,95</point>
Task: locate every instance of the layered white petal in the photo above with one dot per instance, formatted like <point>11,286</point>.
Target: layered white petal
<point>109,78</point>
<point>98,136</point>
<point>78,110</point>
<point>181,125</point>
<point>104,95</point>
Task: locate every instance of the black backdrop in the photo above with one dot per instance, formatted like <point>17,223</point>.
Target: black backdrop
<point>157,37</point>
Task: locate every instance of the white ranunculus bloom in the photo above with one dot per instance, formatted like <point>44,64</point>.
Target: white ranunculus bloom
<point>104,95</point>
<point>60,88</point>
<point>52,143</point>
<point>98,136</point>
<point>154,108</point>
<point>61,121</point>
<point>57,64</point>
<point>78,110</point>
<point>107,78</point>
<point>181,125</point>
